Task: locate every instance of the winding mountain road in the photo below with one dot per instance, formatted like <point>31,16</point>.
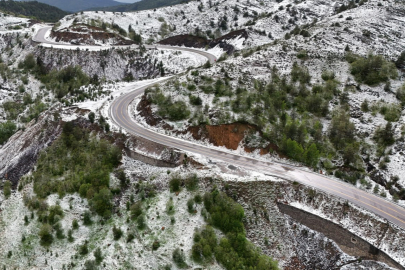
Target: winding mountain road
<point>119,112</point>
<point>40,37</point>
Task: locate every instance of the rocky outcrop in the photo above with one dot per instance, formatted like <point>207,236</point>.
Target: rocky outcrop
<point>347,241</point>
<point>152,153</point>
<point>112,64</point>
<point>20,153</point>
<point>320,237</point>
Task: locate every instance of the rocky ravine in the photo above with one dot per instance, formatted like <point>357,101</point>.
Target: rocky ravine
<point>300,247</point>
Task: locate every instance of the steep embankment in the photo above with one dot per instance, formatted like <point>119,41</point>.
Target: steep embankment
<point>19,154</point>
<point>286,236</point>
<point>113,64</point>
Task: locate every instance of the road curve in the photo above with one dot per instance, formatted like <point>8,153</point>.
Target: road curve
<point>40,35</point>
<point>119,112</point>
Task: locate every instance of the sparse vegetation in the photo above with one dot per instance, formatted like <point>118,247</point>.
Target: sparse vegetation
<point>62,82</point>
<point>45,234</point>
<point>174,184</point>
<point>117,233</point>
<point>136,210</point>
<point>191,182</point>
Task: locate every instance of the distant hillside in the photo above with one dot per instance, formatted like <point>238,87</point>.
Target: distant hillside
<point>78,5</point>
<point>144,4</point>
<point>33,9</point>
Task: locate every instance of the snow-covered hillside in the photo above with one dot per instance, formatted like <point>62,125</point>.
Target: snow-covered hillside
<point>370,28</point>
<point>288,84</point>
<point>268,20</point>
<point>8,22</point>
<point>295,246</point>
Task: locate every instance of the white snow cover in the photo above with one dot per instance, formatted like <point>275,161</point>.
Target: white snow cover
<point>325,41</point>
<point>186,18</point>
<point>117,89</point>
<point>7,21</point>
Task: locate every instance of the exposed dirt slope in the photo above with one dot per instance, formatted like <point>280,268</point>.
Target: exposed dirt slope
<point>88,35</point>
<point>230,136</point>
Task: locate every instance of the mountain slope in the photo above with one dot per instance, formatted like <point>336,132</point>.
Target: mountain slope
<point>145,4</point>
<point>78,5</point>
<point>33,9</point>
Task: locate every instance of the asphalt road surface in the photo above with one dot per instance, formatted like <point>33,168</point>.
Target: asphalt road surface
<point>119,112</point>
<point>40,38</point>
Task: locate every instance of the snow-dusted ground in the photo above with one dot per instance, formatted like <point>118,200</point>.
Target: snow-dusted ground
<point>116,89</point>
<point>7,22</point>
<point>178,61</point>
<point>138,253</point>
<point>116,253</point>
<point>82,47</point>
<point>274,18</point>
<point>325,48</point>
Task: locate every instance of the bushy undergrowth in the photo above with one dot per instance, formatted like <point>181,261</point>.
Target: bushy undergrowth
<point>7,129</point>
<point>62,82</point>
<point>14,109</point>
<point>167,108</point>
<point>190,182</point>
<point>78,162</point>
<point>372,69</point>
<point>400,94</point>
<point>233,251</point>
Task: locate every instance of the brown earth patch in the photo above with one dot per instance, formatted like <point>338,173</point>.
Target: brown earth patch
<point>228,135</point>
<point>89,38</point>
<point>145,110</point>
<point>186,40</point>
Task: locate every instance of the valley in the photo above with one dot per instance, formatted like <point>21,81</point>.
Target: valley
<point>205,135</point>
